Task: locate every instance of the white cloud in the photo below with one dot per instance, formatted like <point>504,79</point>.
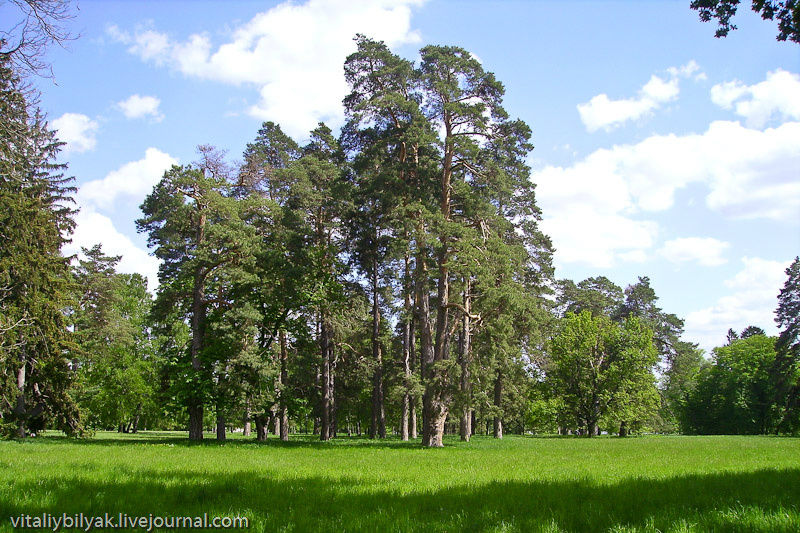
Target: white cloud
<point>77,130</point>
<point>752,301</point>
<point>688,70</point>
<point>145,43</point>
<point>603,112</point>
<point>94,228</point>
<point>659,91</point>
<point>137,106</point>
<point>293,54</point>
<point>634,256</point>
<point>598,239</point>
<point>584,208</point>
<point>705,251</point>
<point>593,208</point>
<point>134,180</point>
<point>777,96</point>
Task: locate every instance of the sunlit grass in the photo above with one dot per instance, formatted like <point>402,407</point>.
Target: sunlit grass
<point>517,484</point>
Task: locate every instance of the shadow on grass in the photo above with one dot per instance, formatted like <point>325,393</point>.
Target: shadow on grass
<point>764,500</point>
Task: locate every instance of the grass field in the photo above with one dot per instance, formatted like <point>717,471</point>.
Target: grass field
<point>517,484</point>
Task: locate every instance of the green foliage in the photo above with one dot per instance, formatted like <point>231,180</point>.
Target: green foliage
<point>679,383</point>
<point>35,283</point>
<point>602,370</point>
<point>786,11</point>
<point>749,331</point>
<point>423,209</point>
<point>736,394</point>
<point>786,373</point>
<point>118,364</point>
<point>598,295</point>
<point>198,230</point>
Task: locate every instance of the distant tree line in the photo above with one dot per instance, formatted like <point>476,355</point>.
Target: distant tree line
<point>391,279</point>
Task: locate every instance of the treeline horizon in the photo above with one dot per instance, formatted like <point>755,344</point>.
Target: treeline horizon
<point>393,278</point>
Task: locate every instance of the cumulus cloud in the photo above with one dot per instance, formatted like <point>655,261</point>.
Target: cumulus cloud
<point>752,301</point>
<point>593,209</point>
<point>95,228</point>
<point>292,54</point>
<point>137,106</point>
<point>585,208</point>
<point>777,96</point>
<point>599,239</point>
<point>134,180</point>
<point>705,251</point>
<point>77,130</point>
<point>603,112</point>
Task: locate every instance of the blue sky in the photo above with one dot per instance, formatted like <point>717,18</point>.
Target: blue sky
<point>660,150</point>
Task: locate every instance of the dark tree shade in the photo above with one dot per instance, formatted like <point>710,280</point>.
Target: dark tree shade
<point>749,331</point>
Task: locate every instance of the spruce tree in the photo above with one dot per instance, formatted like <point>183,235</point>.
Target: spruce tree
<point>786,373</point>
<point>35,281</point>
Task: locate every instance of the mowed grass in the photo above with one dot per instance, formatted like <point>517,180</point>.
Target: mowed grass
<point>514,484</point>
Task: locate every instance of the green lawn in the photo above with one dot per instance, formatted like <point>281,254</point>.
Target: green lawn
<point>517,484</point>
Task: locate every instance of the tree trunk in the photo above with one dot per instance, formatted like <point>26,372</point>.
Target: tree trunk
<point>404,406</point>
<point>498,402</point>
<point>284,407</point>
<point>20,411</point>
<point>327,394</point>
<point>413,419</point>
<point>436,401</point>
<point>465,425</point>
<point>436,406</point>
<point>220,425</point>
<point>623,429</point>
<point>378,426</point>
<point>136,417</point>
<point>195,405</point>
<point>195,422</point>
<point>334,403</point>
<point>412,353</point>
<point>261,427</point>
<point>431,408</point>
<point>247,415</point>
<point>407,351</point>
<point>318,386</point>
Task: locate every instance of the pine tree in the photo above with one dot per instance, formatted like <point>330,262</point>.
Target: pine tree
<point>196,227</point>
<point>276,292</point>
<point>382,110</point>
